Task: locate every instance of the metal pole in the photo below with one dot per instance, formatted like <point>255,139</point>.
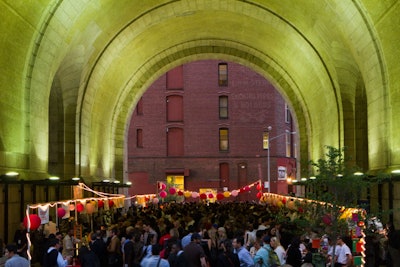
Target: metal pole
<point>269,172</point>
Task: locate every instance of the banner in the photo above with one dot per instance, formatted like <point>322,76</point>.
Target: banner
<point>43,212</point>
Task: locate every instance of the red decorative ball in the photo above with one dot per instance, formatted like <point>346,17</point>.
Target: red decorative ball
<point>163,194</point>
<point>246,188</point>
<point>258,186</point>
<point>259,195</point>
<point>35,221</point>
<point>61,212</point>
<point>210,195</point>
<point>110,203</point>
<point>203,196</point>
<point>284,200</point>
<point>180,193</point>
<point>100,203</point>
<point>220,196</point>
<point>172,190</point>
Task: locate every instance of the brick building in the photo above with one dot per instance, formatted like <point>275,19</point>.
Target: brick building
<point>201,126</point>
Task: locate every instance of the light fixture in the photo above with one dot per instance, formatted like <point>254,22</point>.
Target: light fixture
<point>339,175</point>
<point>358,173</point>
<point>12,174</point>
<point>397,171</point>
<point>303,179</point>
<point>75,178</point>
<point>294,181</point>
<point>54,178</point>
<point>313,177</point>
<point>106,181</point>
<point>116,181</point>
<point>129,183</point>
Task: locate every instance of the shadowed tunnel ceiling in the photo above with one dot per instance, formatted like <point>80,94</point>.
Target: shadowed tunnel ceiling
<point>334,62</point>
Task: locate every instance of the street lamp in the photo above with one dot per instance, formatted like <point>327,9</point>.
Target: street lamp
<point>266,140</point>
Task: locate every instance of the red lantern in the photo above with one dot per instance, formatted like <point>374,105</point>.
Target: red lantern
<point>35,221</point>
<point>361,223</point>
<point>61,212</point>
<point>180,193</point>
<point>172,190</point>
<point>327,219</point>
<point>203,196</point>
<point>163,194</point>
<point>79,207</point>
<point>258,187</point>
<point>210,195</point>
<point>234,193</point>
<point>246,188</point>
<point>162,186</point>
<point>284,200</point>
<point>259,195</point>
<point>100,203</point>
<point>220,196</point>
<point>110,203</point>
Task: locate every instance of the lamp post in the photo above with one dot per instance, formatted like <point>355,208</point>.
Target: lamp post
<point>266,141</point>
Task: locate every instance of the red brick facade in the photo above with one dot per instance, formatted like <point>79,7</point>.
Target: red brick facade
<point>179,122</point>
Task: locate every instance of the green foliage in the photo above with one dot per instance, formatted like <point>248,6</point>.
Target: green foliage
<point>336,181</point>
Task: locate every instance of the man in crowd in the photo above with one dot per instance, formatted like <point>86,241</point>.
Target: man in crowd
<point>194,253</point>
<point>13,259</point>
<point>244,255</point>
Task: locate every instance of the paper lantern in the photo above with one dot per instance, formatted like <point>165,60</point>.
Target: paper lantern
<point>100,203</point>
<point>210,195</point>
<point>258,186</point>
<point>35,221</point>
<point>203,196</point>
<point>61,212</point>
<point>89,208</point>
<point>227,194</point>
<point>163,194</point>
<point>162,186</point>
<point>355,217</point>
<point>259,195</point>
<point>110,203</point>
<point>180,193</point>
<point>326,219</point>
<point>291,205</point>
<point>246,188</point>
<point>361,223</point>
<point>71,207</point>
<point>172,190</point>
<point>357,260</point>
<point>155,201</point>
<point>279,203</point>
<point>359,247</point>
<point>79,207</point>
<point>220,196</point>
<point>284,200</point>
<point>195,195</point>
<point>235,193</point>
<point>300,209</point>
<point>187,194</point>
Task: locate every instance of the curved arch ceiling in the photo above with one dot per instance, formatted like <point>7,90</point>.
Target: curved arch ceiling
<point>318,54</point>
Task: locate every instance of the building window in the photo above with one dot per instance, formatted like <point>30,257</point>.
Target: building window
<point>139,107</point>
<point>223,107</point>
<point>174,108</point>
<point>287,113</point>
<point>224,172</point>
<point>288,144</point>
<point>223,74</point>
<point>175,142</point>
<point>223,139</point>
<point>175,79</point>
<point>139,138</point>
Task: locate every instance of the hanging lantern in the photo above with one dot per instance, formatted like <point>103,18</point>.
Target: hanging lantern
<point>258,186</point>
<point>89,208</point>
<point>110,203</point>
<point>203,196</point>
<point>220,196</point>
<point>155,201</point>
<point>35,221</point>
<point>327,219</point>
<point>163,194</point>
<point>227,194</point>
<point>61,212</point>
<point>162,186</point>
<point>284,200</point>
<point>235,193</point>
<point>246,188</point>
<point>187,194</point>
<point>180,193</point>
<point>79,207</point>
<point>210,195</point>
<point>195,195</point>
<point>100,203</point>
<point>259,195</point>
<point>172,190</point>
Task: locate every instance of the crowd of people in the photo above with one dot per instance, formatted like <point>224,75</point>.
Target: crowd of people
<point>234,234</point>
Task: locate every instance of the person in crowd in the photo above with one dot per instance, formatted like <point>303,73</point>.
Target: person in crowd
<point>3,257</point>
<point>88,258</point>
<point>177,257</point>
<point>128,252</point>
<point>343,256</point>
<point>393,244</point>
<point>69,244</point>
<point>187,238</point>
<point>155,260</point>
<point>194,253</point>
<point>293,253</point>
<point>21,241</point>
<point>138,245</point>
<point>244,255</point>
<point>53,257</point>
<point>49,228</point>
<point>98,246</point>
<point>227,257</point>
<point>13,259</point>
<point>114,249</point>
<point>279,249</point>
<point>148,229</point>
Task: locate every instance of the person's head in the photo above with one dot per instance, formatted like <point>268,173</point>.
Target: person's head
<point>266,239</point>
<point>339,241</point>
<point>155,249</point>
<point>275,242</point>
<point>175,247</point>
<point>54,242</point>
<point>238,242</point>
<point>70,232</point>
<point>114,231</point>
<point>195,238</point>
<point>11,250</point>
<point>257,243</point>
